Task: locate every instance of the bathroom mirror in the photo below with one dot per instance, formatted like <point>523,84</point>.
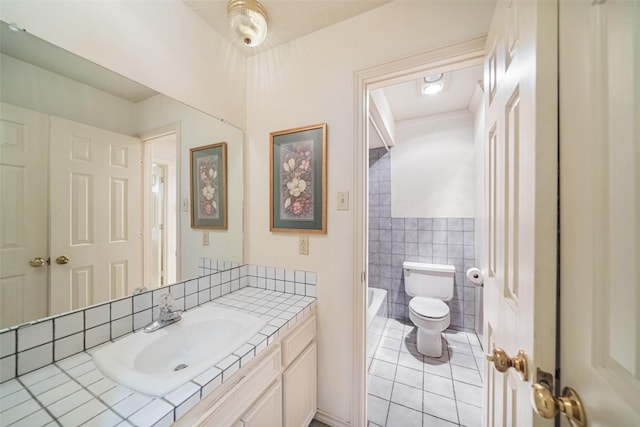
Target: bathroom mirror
<point>94,184</point>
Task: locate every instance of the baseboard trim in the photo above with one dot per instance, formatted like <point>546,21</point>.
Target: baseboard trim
<point>330,420</point>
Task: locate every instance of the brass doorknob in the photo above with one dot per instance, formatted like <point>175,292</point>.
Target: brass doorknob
<point>570,405</point>
<point>62,259</point>
<point>502,362</point>
<point>37,262</point>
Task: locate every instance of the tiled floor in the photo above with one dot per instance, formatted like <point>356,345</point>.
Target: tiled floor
<point>407,389</point>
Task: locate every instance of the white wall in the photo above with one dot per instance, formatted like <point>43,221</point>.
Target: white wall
<point>162,44</point>
<point>34,88</point>
<point>433,167</point>
<point>308,81</point>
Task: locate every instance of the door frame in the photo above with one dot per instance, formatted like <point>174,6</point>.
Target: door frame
<point>146,137</point>
<point>454,56</point>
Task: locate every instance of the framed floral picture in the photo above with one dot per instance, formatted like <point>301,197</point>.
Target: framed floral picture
<point>209,186</point>
<point>298,180</point>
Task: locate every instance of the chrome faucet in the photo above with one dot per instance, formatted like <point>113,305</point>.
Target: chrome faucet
<point>166,316</point>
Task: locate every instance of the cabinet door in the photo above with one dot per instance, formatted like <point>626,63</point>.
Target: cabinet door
<point>267,411</point>
<point>300,385</point>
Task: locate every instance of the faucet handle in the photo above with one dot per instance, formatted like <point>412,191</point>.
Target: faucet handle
<point>165,301</point>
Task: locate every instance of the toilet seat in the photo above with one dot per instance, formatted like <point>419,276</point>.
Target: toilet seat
<point>429,308</point>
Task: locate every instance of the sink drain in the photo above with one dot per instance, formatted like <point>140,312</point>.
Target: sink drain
<point>180,366</point>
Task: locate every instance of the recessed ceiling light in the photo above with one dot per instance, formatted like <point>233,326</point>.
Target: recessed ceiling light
<point>432,89</point>
<point>432,78</point>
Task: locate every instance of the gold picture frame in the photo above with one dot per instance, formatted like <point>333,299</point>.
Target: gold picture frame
<point>298,180</point>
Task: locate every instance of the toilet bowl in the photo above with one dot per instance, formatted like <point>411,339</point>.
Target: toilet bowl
<point>429,285</point>
<point>431,317</point>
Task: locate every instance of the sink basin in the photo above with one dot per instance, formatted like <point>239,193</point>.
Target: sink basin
<point>158,362</point>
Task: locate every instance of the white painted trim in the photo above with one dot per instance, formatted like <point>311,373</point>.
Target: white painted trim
<point>175,128</point>
<point>452,57</point>
<point>330,420</point>
<point>476,98</point>
<point>436,118</point>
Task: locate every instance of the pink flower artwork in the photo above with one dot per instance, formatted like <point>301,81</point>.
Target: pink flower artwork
<point>208,187</point>
<point>296,176</point>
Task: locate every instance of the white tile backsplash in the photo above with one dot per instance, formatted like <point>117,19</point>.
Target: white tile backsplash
<point>7,368</point>
<point>140,320</point>
<point>96,336</point>
<point>68,346</point>
<point>142,302</point>
<point>7,343</point>
<point>96,316</point>
<point>68,324</point>
<point>35,358</point>
<point>30,336</point>
<point>121,308</point>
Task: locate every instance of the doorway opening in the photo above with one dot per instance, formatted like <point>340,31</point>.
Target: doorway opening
<point>391,235</point>
<point>160,209</point>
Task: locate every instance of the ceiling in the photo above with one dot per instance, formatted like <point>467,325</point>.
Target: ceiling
<point>292,19</point>
<point>288,19</point>
<point>407,102</point>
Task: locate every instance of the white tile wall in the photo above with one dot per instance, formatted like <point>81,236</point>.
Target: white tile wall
<point>96,316</point>
<point>69,324</point>
<point>30,336</point>
<point>121,308</point>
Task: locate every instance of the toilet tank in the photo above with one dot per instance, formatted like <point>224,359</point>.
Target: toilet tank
<point>429,280</point>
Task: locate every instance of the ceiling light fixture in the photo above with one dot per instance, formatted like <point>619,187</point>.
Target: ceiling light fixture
<point>248,20</point>
<point>432,78</point>
<point>432,84</point>
<point>432,89</point>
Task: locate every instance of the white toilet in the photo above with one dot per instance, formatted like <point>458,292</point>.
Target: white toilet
<point>429,285</point>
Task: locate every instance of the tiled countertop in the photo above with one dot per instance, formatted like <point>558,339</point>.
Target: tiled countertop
<point>73,392</point>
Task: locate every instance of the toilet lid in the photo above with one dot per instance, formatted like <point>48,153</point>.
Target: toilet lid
<point>429,307</point>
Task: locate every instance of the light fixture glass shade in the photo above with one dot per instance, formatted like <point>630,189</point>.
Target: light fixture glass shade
<point>432,89</point>
<point>248,20</point>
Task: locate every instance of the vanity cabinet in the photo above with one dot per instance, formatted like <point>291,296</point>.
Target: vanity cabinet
<point>267,411</point>
<point>278,388</point>
<point>299,386</point>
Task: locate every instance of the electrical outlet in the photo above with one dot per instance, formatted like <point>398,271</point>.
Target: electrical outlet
<point>303,245</point>
<point>343,200</point>
<point>205,238</point>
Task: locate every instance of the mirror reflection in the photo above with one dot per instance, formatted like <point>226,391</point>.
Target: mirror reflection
<point>94,183</point>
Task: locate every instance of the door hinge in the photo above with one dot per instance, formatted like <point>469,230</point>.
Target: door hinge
<point>363,277</point>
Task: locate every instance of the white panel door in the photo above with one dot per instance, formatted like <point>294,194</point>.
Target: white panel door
<point>520,203</point>
<point>95,215</point>
<point>23,214</point>
<point>600,207</point>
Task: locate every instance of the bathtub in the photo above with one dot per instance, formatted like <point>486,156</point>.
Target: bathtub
<point>376,319</point>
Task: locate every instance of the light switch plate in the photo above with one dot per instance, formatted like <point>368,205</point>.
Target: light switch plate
<point>303,245</point>
<point>205,238</point>
<point>343,200</point>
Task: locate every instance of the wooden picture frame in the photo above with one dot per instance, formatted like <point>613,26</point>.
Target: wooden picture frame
<point>298,180</point>
<point>208,186</point>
